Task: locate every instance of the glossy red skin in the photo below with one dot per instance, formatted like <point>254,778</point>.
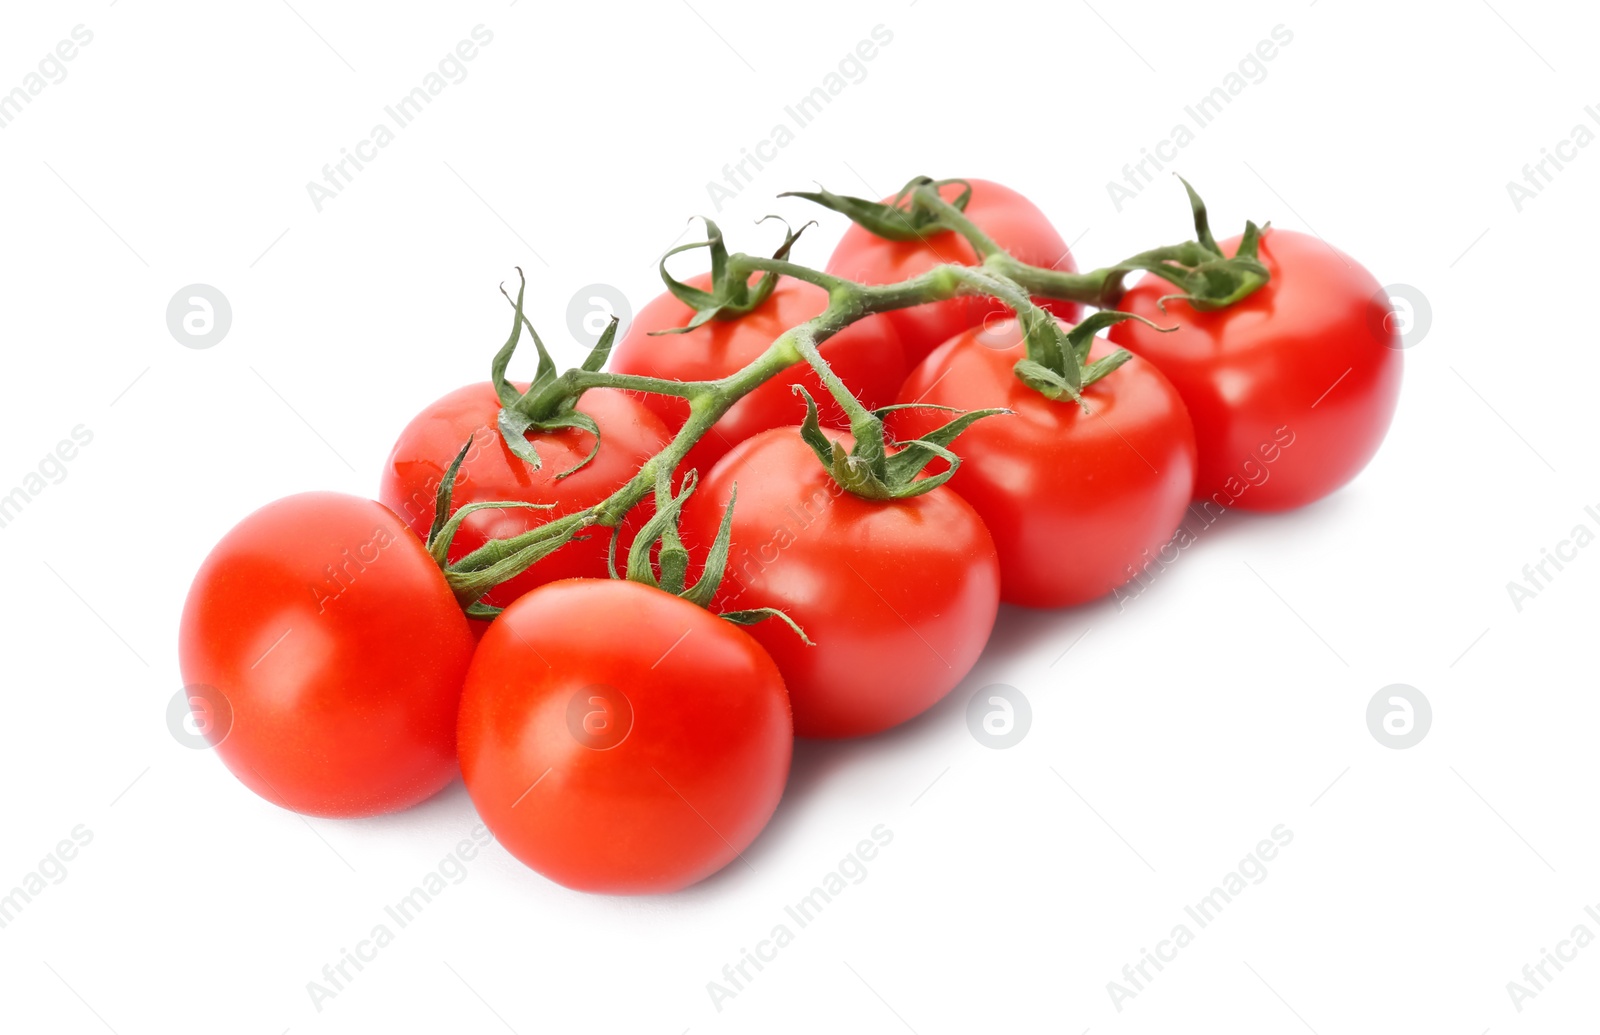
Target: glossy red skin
<point>866,355</point>
<point>694,780</point>
<point>899,597</point>
<point>1268,370</point>
<point>1014,223</point>
<point>1077,503</point>
<point>630,435</point>
<point>344,688</point>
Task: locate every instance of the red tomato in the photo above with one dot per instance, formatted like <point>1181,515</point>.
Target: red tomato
<point>866,356</point>
<point>1077,503</point>
<point>898,596</point>
<point>619,739</point>
<point>1292,389</point>
<point>339,650</point>
<point>1006,216</point>
<point>630,435</point>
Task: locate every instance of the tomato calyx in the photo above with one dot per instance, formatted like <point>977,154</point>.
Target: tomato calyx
<point>549,404</point>
<point>870,468</point>
<point>658,557</point>
<point>731,294</point>
<point>1057,363</point>
<point>1207,278</point>
<point>909,217</point>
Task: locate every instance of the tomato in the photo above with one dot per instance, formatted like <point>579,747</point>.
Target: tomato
<point>619,739</point>
<point>1077,502</point>
<point>1292,389</point>
<point>1014,223</point>
<point>898,596</point>
<point>339,651</point>
<point>866,356</point>
<point>630,435</point>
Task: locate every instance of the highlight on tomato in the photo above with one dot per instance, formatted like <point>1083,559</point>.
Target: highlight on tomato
<point>1080,485</point>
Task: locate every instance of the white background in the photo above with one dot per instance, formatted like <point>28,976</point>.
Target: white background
<point>1170,738</point>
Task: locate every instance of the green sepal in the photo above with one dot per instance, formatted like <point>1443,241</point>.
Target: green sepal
<point>1202,225</point>
<point>547,405</point>
<point>445,524</point>
<point>869,470</point>
<point>447,487</point>
<point>729,297</point>
<point>580,421</point>
<point>756,615</point>
<point>514,426</point>
<point>914,456</point>
<point>1105,365</point>
<point>1063,368</point>
<point>1206,278</point>
<point>895,221</point>
<point>1043,380</point>
<point>602,349</point>
<point>509,396</point>
<point>1052,347</point>
<point>487,612</point>
<point>716,559</point>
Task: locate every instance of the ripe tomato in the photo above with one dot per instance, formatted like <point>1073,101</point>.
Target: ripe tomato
<point>1009,218</point>
<point>1077,502</point>
<point>620,739</point>
<point>898,596</point>
<point>866,356</point>
<point>630,435</point>
<point>339,650</point>
<point>1292,389</point>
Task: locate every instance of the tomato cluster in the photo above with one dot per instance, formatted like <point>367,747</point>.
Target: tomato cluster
<point>634,734</point>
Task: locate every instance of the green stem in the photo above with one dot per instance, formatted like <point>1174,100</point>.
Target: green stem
<point>999,276</point>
